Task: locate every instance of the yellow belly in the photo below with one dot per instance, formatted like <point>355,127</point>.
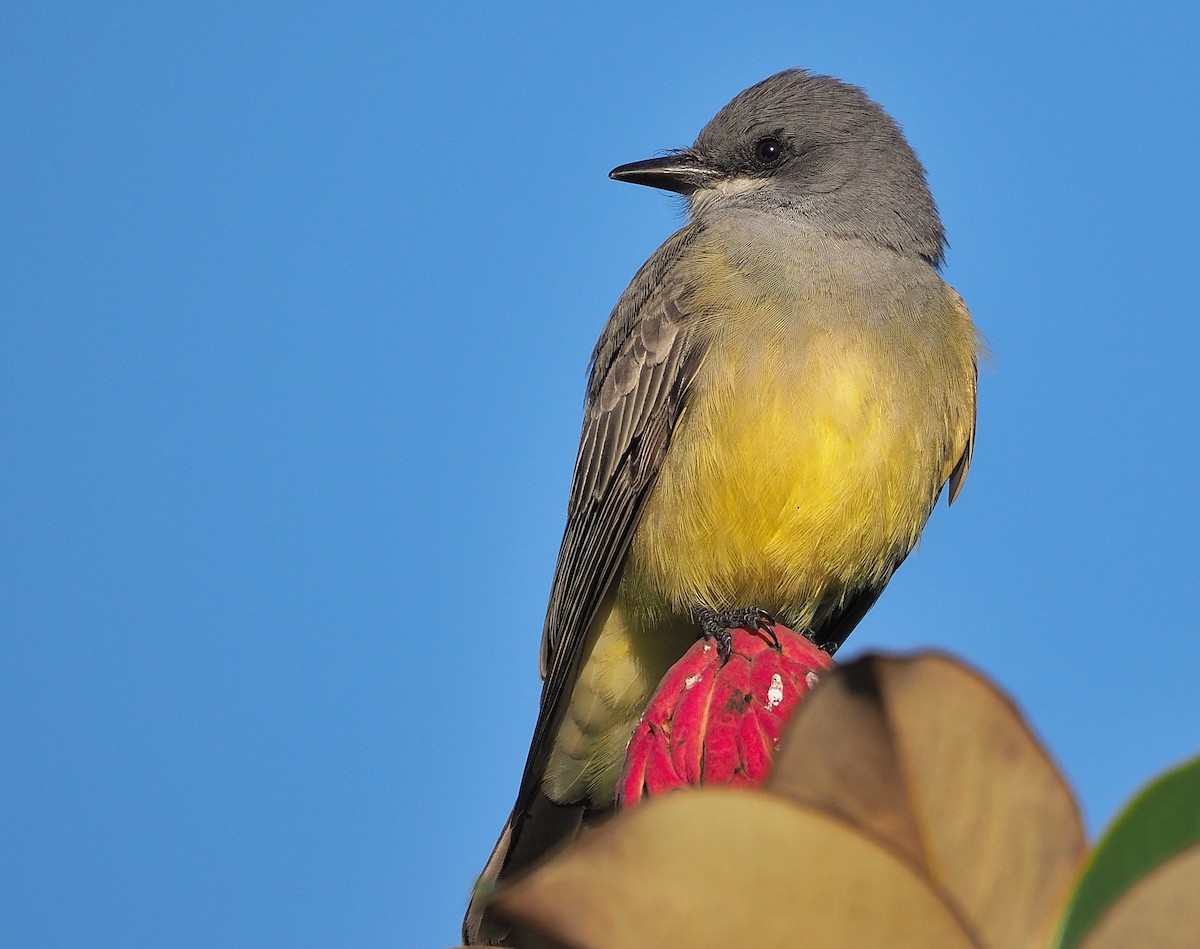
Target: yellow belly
<point>787,487</point>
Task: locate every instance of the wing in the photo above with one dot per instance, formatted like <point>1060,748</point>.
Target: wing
<point>642,368</point>
<point>959,474</point>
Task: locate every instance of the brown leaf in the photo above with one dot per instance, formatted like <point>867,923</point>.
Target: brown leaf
<point>720,867</point>
<point>1161,910</point>
<point>924,754</point>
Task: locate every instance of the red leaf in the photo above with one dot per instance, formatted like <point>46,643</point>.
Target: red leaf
<point>719,723</point>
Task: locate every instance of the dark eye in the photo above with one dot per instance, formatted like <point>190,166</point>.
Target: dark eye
<point>768,150</point>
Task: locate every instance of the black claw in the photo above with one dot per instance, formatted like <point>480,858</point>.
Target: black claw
<point>724,640</point>
<point>712,627</point>
<point>830,646</point>
<point>716,626</point>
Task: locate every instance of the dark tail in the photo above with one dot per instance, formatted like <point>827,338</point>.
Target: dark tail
<point>526,837</point>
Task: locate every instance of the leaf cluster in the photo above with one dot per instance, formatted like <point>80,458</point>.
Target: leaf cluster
<point>909,805</point>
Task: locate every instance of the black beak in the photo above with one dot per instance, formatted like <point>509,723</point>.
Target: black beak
<point>682,173</point>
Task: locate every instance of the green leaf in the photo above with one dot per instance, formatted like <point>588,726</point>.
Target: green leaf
<point>1160,823</point>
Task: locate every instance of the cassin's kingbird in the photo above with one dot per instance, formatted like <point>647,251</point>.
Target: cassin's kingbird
<point>774,406</point>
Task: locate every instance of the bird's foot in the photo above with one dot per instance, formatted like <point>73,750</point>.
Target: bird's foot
<point>716,626</point>
<point>829,646</point>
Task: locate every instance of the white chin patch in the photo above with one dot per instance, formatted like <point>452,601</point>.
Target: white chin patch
<point>725,192</point>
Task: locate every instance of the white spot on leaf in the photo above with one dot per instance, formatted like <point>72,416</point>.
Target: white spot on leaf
<point>692,680</point>
<point>775,692</point>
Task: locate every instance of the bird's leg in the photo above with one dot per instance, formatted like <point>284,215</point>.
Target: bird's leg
<point>716,626</point>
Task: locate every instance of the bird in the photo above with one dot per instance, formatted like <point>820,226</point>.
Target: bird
<point>775,405</point>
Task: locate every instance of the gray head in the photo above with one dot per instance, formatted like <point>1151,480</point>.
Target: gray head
<point>809,145</point>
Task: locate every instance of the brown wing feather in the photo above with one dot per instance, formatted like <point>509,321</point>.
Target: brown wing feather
<point>959,474</point>
<point>642,368</point>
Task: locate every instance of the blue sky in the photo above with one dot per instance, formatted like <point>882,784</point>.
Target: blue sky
<point>297,303</point>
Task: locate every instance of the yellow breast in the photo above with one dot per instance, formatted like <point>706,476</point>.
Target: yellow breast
<point>820,429</point>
